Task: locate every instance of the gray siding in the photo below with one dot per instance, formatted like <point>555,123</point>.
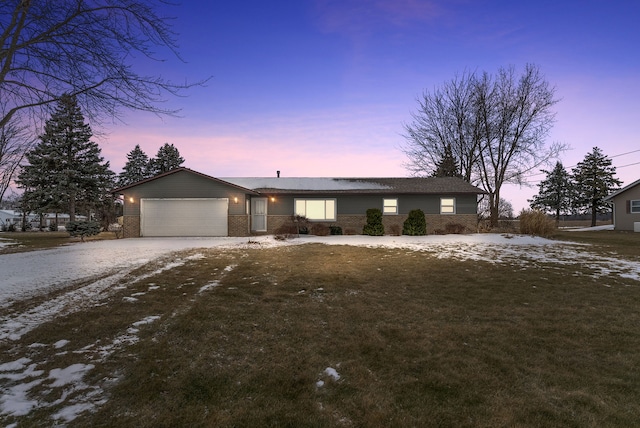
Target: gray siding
<point>623,218</point>
<point>359,204</point>
<point>183,185</point>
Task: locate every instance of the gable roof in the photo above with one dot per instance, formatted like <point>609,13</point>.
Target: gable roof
<point>323,185</point>
<point>176,170</point>
<point>624,189</point>
<point>317,185</point>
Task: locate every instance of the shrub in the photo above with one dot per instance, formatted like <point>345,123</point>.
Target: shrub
<point>415,224</point>
<point>534,222</point>
<point>53,226</point>
<point>320,229</point>
<point>455,228</point>
<point>335,230</point>
<point>301,223</point>
<point>83,228</point>
<point>374,226</point>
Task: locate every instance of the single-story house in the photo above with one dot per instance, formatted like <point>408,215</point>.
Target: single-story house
<point>626,207</point>
<point>184,202</point>
<point>12,217</point>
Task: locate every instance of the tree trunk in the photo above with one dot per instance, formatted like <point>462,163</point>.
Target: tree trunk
<point>493,209</point>
<point>594,215</point>
<point>72,207</point>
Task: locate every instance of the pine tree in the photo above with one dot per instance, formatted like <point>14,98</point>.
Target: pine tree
<point>448,165</point>
<point>594,180</point>
<point>168,158</point>
<point>556,192</point>
<point>65,170</point>
<point>137,168</point>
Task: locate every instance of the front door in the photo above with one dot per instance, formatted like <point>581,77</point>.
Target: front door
<point>259,214</point>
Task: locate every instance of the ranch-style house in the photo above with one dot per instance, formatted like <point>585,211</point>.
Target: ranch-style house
<point>184,202</point>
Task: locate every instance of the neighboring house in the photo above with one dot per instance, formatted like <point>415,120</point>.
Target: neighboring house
<point>626,207</point>
<point>183,202</point>
<point>12,217</point>
<point>61,219</point>
<point>8,217</point>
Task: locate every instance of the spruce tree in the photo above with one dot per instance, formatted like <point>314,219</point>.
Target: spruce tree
<point>594,180</point>
<point>137,167</point>
<point>168,158</point>
<point>65,170</point>
<point>448,165</point>
<point>556,193</point>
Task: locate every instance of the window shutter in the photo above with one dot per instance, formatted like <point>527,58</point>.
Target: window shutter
<point>628,204</point>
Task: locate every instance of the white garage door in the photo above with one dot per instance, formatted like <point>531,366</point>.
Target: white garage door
<point>184,217</point>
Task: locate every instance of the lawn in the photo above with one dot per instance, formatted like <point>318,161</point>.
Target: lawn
<point>321,336</point>
<point>30,241</point>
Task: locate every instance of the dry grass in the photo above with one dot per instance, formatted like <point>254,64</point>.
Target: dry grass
<point>417,341</point>
<point>30,241</point>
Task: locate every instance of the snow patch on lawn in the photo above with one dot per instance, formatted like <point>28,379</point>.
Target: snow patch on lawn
<point>20,377</point>
<point>103,265</point>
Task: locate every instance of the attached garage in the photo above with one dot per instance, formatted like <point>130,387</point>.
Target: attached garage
<point>184,216</point>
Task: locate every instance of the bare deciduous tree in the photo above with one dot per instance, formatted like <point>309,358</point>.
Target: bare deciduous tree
<point>497,127</point>
<point>14,142</point>
<point>443,119</point>
<point>85,49</point>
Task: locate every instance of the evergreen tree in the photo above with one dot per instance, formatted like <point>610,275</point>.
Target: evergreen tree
<point>137,167</point>
<point>168,158</point>
<point>448,165</point>
<point>556,193</point>
<point>65,170</point>
<point>594,180</point>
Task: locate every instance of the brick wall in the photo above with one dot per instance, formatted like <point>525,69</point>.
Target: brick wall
<point>239,225</point>
<point>350,224</point>
<point>131,226</point>
<point>353,224</point>
<point>436,222</point>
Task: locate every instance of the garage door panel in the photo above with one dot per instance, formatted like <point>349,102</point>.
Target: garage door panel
<point>184,217</point>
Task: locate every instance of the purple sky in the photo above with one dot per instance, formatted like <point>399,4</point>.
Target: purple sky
<point>323,87</point>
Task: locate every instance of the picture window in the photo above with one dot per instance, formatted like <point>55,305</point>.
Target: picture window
<point>316,209</point>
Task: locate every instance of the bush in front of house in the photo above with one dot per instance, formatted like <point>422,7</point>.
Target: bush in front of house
<point>320,229</point>
<point>374,226</point>
<point>53,226</point>
<point>537,223</point>
<point>83,228</point>
<point>415,224</point>
<point>335,230</point>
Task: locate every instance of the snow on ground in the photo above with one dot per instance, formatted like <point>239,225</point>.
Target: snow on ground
<point>102,264</point>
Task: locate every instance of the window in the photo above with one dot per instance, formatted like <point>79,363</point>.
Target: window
<point>316,209</point>
<point>447,205</point>
<point>390,206</point>
<point>634,207</point>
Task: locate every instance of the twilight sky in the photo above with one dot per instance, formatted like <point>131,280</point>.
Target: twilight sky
<point>323,87</point>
